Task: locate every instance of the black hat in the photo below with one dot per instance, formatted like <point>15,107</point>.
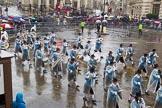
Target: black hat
<point>88,41</point>
<point>153,50</point>
<point>138,94</point>
<point>110,52</point>
<point>138,71</point>
<point>130,45</point>
<point>121,45</point>
<point>74,46</point>
<point>92,56</point>
<point>145,54</point>
<point>115,80</point>
<point>156,66</point>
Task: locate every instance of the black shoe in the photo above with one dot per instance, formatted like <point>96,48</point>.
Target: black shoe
<point>105,90</point>
<point>84,99</point>
<point>129,101</point>
<point>77,89</point>
<point>30,66</point>
<point>125,67</point>
<point>68,85</point>
<point>44,71</point>
<point>94,102</point>
<point>147,93</point>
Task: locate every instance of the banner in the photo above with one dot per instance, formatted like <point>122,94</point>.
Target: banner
<point>1,80</point>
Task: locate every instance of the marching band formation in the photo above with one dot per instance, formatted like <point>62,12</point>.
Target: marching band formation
<point>28,47</point>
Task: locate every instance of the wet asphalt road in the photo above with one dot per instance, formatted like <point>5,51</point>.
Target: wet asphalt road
<point>48,91</point>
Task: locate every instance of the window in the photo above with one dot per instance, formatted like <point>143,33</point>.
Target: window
<point>156,8</point>
<point>157,0</point>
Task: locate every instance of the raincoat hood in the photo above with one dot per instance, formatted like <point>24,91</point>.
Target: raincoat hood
<point>19,98</point>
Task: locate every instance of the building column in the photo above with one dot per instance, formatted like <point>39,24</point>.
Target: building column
<point>160,11</point>
<point>78,4</point>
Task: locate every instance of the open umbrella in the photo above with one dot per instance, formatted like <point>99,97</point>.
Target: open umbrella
<point>104,21</point>
<point>157,22</point>
<point>4,25</point>
<point>98,21</point>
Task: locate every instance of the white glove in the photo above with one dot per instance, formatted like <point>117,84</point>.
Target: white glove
<point>71,71</point>
<point>119,53</point>
<point>138,83</point>
<point>115,93</point>
<point>158,76</point>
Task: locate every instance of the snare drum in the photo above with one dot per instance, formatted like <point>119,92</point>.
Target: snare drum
<point>45,60</point>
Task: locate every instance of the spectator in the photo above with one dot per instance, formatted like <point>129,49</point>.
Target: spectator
<point>19,103</point>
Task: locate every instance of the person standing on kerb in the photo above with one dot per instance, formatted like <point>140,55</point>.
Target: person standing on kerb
<point>19,102</point>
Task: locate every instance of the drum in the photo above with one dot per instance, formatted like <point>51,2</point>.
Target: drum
<point>45,60</point>
<point>7,45</point>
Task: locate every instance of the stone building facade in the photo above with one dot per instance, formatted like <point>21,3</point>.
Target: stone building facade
<point>139,8</point>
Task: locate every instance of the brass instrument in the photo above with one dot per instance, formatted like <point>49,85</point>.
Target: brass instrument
<point>57,61</point>
<point>6,46</point>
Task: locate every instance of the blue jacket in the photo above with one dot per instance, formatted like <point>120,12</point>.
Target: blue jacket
<point>108,60</point>
<point>79,39</point>
<point>159,95</point>
<point>73,53</point>
<point>25,50</point>
<point>155,76</point>
<point>39,54</point>
<point>18,43</point>
<point>91,62</point>
<point>89,77</point>
<point>143,61</point>
<point>152,57</point>
<point>36,45</point>
<point>129,50</point>
<point>55,56</point>
<point>110,72</point>
<point>134,103</point>
<point>19,103</point>
<point>119,51</point>
<point>136,82</point>
<point>98,43</point>
<point>71,67</point>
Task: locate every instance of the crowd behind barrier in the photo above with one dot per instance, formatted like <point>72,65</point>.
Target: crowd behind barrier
<point>49,26</point>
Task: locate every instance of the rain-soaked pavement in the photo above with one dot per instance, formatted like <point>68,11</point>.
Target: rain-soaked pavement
<point>48,91</point>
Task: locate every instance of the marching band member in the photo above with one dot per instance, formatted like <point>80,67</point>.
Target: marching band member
<point>71,68</point>
<point>109,59</point>
<point>64,47</point>
<point>46,45</point>
<point>79,41</point>
<point>91,63</point>
<point>37,44</point>
<point>17,45</point>
<point>143,64</point>
<point>154,81</point>
<point>25,53</point>
<point>158,102</point>
<point>73,52</point>
<point>39,60</point>
<point>120,55</point>
<point>87,48</point>
<point>29,38</point>
<point>88,85</point>
<point>129,54</point>
<point>58,68</point>
<point>152,57</point>
<point>138,101</point>
<point>98,44</point>
<point>52,37</point>
<point>110,74</point>
<point>53,48</point>
<point>114,94</point>
<point>136,85</point>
